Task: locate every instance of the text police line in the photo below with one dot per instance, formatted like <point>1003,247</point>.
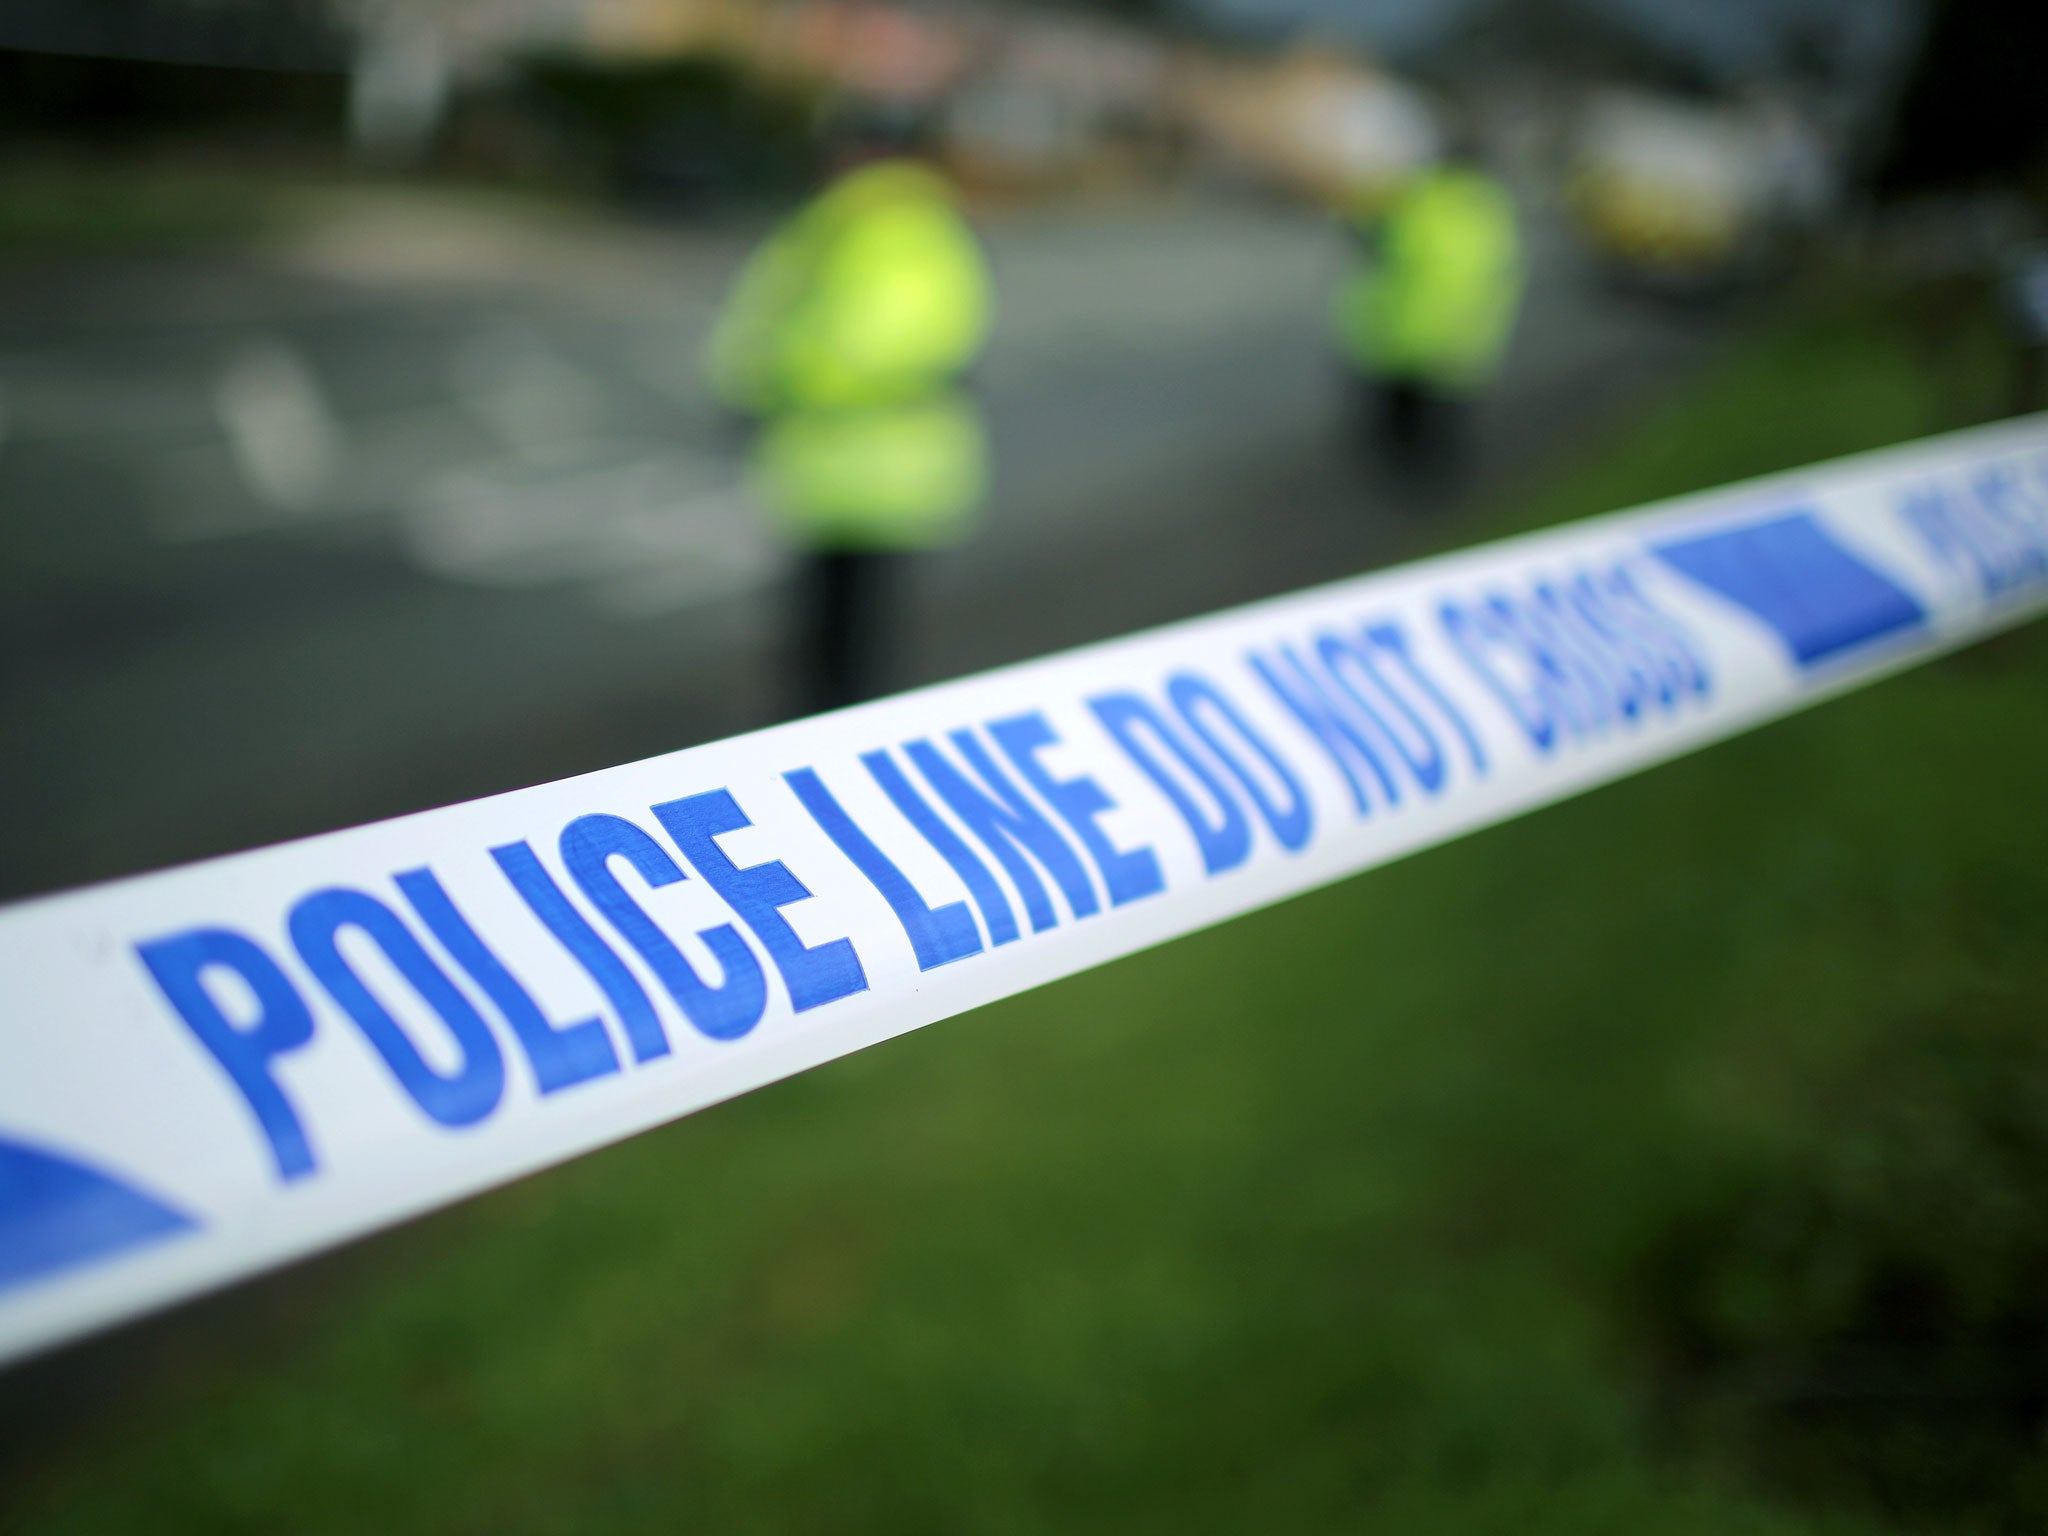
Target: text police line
<point>211,1070</point>
<point>1563,658</point>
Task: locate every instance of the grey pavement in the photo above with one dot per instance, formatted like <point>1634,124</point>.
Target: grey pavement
<point>418,505</point>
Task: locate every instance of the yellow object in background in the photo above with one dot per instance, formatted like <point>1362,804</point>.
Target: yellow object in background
<point>1641,221</point>
<point>891,477</point>
<point>1438,302</point>
<point>848,334</point>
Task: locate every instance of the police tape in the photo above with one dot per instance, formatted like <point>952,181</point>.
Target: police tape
<point>215,1069</point>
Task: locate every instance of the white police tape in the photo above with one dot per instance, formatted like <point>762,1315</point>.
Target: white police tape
<point>215,1069</point>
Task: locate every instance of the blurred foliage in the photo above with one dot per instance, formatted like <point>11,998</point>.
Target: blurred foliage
<point>125,102</point>
<point>1973,109</point>
<point>1849,362</point>
<point>682,134</point>
<point>1672,1160</point>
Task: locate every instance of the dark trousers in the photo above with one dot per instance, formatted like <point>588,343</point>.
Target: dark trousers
<point>847,595</point>
<point>1417,430</point>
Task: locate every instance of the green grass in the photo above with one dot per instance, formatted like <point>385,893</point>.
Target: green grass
<point>51,208</point>
<point>1668,1161</point>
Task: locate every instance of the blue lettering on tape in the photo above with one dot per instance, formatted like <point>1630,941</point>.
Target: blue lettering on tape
<point>1489,647</point>
<point>537,888</point>
<point>815,974</point>
<point>1389,638</point>
<point>1008,826</point>
<point>1357,676</point>
<point>561,1055</point>
<point>180,963</point>
<point>938,935</point>
<point>723,1012</point>
<point>1225,839</point>
<point>1997,530</point>
<point>981,885</point>
<point>1127,874</point>
<point>1684,661</point>
<point>453,1099</point>
<point>1817,597</point>
<point>1207,711</point>
<point>1347,736</point>
<point>1575,658</point>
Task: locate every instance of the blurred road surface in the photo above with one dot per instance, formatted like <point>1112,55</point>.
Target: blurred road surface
<point>426,501</point>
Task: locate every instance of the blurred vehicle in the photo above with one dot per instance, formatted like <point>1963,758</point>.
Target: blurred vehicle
<point>1667,192</point>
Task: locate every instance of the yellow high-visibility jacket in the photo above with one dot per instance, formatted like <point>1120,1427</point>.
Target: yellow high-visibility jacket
<point>847,335</point>
<point>1438,302</point>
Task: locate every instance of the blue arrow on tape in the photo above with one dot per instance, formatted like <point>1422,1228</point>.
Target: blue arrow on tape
<point>1791,573</point>
<point>57,1213</point>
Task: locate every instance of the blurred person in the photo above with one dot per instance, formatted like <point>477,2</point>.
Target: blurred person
<point>1425,313</point>
<point>847,339</point>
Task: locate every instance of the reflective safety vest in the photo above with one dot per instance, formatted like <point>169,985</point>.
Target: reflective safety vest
<point>1437,304</point>
<point>847,335</point>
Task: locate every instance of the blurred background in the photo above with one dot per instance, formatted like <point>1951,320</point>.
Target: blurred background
<point>357,456</point>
